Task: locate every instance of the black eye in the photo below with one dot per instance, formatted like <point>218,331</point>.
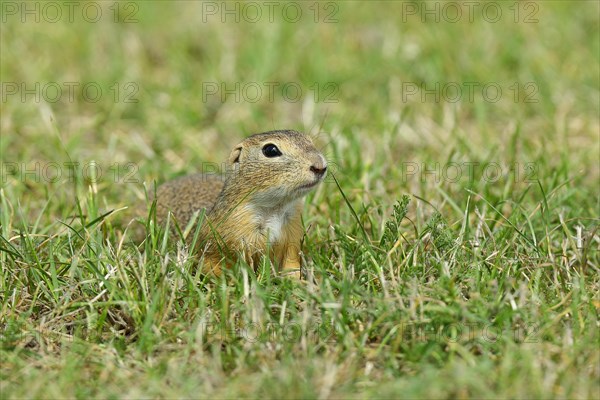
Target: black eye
<point>270,151</point>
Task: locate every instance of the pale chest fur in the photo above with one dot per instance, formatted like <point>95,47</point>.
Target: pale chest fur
<point>271,223</point>
<point>252,228</point>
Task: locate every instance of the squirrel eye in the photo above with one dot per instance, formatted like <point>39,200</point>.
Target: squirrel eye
<point>270,151</point>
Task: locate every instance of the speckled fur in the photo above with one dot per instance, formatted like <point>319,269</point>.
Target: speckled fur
<point>259,198</point>
<point>186,195</point>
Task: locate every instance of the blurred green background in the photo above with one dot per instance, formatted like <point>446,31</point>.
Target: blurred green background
<point>362,69</point>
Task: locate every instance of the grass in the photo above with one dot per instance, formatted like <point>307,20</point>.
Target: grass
<point>422,283</point>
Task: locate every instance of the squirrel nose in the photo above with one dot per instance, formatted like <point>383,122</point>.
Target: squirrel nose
<point>318,169</point>
<point>319,165</point>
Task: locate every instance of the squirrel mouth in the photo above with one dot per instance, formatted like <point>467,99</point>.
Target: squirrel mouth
<point>310,185</point>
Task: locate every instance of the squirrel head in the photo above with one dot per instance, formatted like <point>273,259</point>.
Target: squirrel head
<point>275,168</point>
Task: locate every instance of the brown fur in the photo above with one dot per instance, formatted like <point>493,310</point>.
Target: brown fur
<point>259,197</point>
<point>186,195</point>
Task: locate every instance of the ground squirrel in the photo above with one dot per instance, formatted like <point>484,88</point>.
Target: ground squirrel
<point>255,207</point>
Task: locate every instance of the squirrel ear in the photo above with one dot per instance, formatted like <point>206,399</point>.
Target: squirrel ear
<point>234,157</point>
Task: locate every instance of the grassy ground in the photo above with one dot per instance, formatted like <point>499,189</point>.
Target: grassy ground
<point>483,282</point>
